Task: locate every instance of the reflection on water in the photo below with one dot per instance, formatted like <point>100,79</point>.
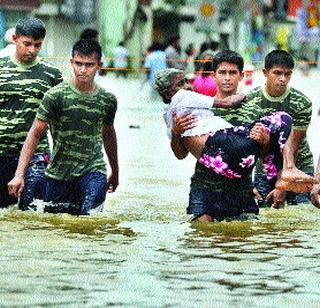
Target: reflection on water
<point>142,250</point>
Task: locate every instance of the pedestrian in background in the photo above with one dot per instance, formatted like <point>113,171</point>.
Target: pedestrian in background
<point>173,53</point>
<point>155,61</point>
<point>120,60</point>
<point>204,82</point>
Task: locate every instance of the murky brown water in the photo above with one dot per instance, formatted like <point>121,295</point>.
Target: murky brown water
<point>142,251</point>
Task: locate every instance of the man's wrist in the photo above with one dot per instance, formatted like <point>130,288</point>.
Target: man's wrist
<point>175,134</point>
<point>19,175</point>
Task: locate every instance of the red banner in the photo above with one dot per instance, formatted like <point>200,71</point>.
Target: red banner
<point>293,5</point>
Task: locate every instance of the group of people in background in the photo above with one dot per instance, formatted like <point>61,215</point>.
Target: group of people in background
<point>198,67</point>
<point>229,134</point>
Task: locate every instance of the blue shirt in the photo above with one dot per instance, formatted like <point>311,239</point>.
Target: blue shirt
<point>156,62</point>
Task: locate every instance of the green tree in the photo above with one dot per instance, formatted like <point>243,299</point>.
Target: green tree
<point>175,3</point>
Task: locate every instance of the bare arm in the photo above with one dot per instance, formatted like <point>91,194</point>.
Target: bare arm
<point>291,148</point>
<point>231,101</point>
<point>37,129</point>
<point>179,126</point>
<point>110,144</point>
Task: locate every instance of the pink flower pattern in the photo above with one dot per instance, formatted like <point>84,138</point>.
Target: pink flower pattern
<point>269,168</point>
<point>275,118</point>
<point>239,128</point>
<point>217,165</point>
<point>248,161</point>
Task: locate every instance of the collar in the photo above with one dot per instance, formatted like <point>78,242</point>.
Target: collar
<point>275,98</point>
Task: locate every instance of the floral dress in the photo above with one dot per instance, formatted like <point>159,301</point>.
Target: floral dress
<point>232,154</point>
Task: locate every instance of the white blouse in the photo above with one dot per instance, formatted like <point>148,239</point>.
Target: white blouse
<point>201,107</point>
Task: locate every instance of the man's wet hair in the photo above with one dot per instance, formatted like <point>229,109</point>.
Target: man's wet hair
<point>228,56</point>
<point>89,34</point>
<point>87,48</point>
<point>278,57</point>
<point>30,26</point>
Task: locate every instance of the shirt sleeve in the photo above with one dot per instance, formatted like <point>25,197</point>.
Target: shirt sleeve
<point>49,109</point>
<point>111,108</point>
<point>302,113</point>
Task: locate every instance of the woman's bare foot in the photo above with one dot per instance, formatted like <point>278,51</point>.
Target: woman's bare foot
<point>294,175</point>
<point>295,186</point>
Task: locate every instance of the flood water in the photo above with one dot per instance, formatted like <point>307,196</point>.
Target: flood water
<point>143,252</point>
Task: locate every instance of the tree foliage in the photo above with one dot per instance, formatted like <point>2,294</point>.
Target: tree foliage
<point>175,3</point>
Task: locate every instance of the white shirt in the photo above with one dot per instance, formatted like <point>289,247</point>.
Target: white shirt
<point>200,106</point>
<point>9,50</point>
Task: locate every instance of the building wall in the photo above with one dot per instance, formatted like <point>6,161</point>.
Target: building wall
<point>61,35</point>
<point>114,20</point>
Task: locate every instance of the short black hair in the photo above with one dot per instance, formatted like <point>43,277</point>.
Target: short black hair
<point>229,56</point>
<point>89,34</point>
<point>30,26</point>
<point>278,57</point>
<point>156,46</point>
<point>86,48</point>
<point>173,39</point>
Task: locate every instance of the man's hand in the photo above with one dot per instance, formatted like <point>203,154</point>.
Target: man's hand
<point>16,185</point>
<point>182,123</point>
<point>277,197</point>
<point>259,133</point>
<point>231,101</point>
<point>113,182</point>
<point>315,194</point>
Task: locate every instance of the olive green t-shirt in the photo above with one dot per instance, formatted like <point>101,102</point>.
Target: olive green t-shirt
<point>299,107</point>
<point>22,87</point>
<point>76,119</point>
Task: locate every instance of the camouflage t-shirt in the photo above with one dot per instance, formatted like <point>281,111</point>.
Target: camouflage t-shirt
<point>299,107</point>
<point>21,90</point>
<point>75,120</point>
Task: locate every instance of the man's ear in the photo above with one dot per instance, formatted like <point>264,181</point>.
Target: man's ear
<point>265,72</point>
<point>14,37</point>
<point>241,75</point>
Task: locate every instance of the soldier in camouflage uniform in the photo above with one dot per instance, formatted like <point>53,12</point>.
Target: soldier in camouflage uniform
<point>24,79</point>
<point>276,95</point>
<point>80,115</point>
<point>209,191</point>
